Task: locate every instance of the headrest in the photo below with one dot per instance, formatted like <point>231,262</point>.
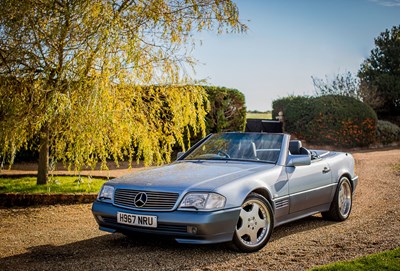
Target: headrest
<point>294,146</point>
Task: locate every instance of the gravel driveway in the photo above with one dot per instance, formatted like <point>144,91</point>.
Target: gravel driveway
<point>67,238</point>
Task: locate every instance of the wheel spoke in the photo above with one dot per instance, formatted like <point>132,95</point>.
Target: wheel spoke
<point>254,210</point>
<point>243,230</point>
<point>261,222</point>
<point>252,222</point>
<point>245,215</point>
<point>341,198</point>
<point>253,236</point>
<point>344,199</point>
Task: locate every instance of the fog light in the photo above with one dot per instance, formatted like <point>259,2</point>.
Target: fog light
<point>100,218</point>
<point>192,229</point>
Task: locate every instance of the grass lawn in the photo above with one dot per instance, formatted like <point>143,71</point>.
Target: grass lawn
<point>396,168</point>
<point>56,184</point>
<point>388,260</point>
<point>259,115</point>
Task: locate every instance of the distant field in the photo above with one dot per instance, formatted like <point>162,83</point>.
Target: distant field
<point>267,115</point>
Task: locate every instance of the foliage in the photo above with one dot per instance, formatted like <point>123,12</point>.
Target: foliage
<point>70,70</point>
<point>387,132</point>
<point>331,119</point>
<point>56,184</point>
<point>344,121</point>
<point>345,84</point>
<point>396,169</point>
<point>227,110</point>
<point>118,122</point>
<point>380,73</point>
<point>297,112</point>
<point>388,260</point>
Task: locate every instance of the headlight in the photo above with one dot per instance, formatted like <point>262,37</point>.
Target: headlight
<point>205,201</point>
<point>106,193</point>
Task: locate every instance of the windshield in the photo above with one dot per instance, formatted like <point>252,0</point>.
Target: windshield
<point>239,146</point>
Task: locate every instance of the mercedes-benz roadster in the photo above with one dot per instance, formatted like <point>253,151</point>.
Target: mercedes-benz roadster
<point>230,187</point>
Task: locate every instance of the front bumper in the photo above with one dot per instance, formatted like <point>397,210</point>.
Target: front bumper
<point>192,227</point>
<point>354,180</point>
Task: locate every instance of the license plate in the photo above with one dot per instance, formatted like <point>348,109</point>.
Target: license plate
<point>137,220</point>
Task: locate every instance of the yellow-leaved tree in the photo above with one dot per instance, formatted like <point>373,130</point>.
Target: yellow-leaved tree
<point>102,79</point>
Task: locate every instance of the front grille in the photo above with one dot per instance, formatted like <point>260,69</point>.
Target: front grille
<point>160,227</point>
<point>155,200</point>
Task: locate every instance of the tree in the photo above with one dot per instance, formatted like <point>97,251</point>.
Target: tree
<point>349,85</point>
<point>71,72</point>
<point>227,110</point>
<point>380,73</point>
<point>345,84</point>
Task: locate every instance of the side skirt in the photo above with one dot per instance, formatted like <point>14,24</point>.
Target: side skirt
<point>301,214</point>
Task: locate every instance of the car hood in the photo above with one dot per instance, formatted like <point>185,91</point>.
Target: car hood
<point>196,175</point>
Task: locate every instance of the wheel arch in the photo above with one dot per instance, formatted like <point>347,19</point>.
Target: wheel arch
<point>342,165</point>
<point>348,176</point>
<point>266,194</point>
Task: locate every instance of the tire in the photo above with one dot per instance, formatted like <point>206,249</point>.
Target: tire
<point>255,224</point>
<point>342,202</point>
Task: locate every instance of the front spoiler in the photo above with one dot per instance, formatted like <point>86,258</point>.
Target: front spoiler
<point>191,227</point>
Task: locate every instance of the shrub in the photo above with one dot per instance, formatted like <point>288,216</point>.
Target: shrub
<point>387,132</point>
<point>331,119</point>
<point>296,112</point>
<point>227,110</point>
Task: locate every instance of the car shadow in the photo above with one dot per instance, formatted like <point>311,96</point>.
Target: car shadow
<point>118,252</point>
<point>298,226</point>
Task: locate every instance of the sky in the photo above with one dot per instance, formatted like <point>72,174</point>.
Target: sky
<point>289,41</point>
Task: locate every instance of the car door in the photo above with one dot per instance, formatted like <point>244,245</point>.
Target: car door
<point>309,185</point>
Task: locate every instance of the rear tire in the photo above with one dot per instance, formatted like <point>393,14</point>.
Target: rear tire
<point>342,202</point>
<point>255,224</point>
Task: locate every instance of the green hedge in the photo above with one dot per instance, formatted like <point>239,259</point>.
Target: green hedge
<point>227,110</point>
<point>331,119</point>
<point>387,132</point>
<point>297,113</point>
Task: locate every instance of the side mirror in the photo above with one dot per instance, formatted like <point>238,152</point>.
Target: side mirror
<point>298,160</point>
<point>179,155</point>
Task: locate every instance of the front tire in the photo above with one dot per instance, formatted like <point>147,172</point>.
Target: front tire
<point>255,224</point>
<point>342,202</point>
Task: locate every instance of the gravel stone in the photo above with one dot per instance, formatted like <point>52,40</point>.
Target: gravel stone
<point>66,237</point>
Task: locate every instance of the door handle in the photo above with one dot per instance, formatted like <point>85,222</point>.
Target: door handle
<point>326,170</point>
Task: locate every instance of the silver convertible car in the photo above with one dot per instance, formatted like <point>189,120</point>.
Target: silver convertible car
<point>230,187</point>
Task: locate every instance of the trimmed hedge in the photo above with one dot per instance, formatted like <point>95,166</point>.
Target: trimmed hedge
<point>387,132</point>
<point>296,112</point>
<point>328,120</point>
<point>227,110</point>
<point>25,200</point>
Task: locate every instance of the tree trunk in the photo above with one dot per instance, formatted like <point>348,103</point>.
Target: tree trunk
<point>43,166</point>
